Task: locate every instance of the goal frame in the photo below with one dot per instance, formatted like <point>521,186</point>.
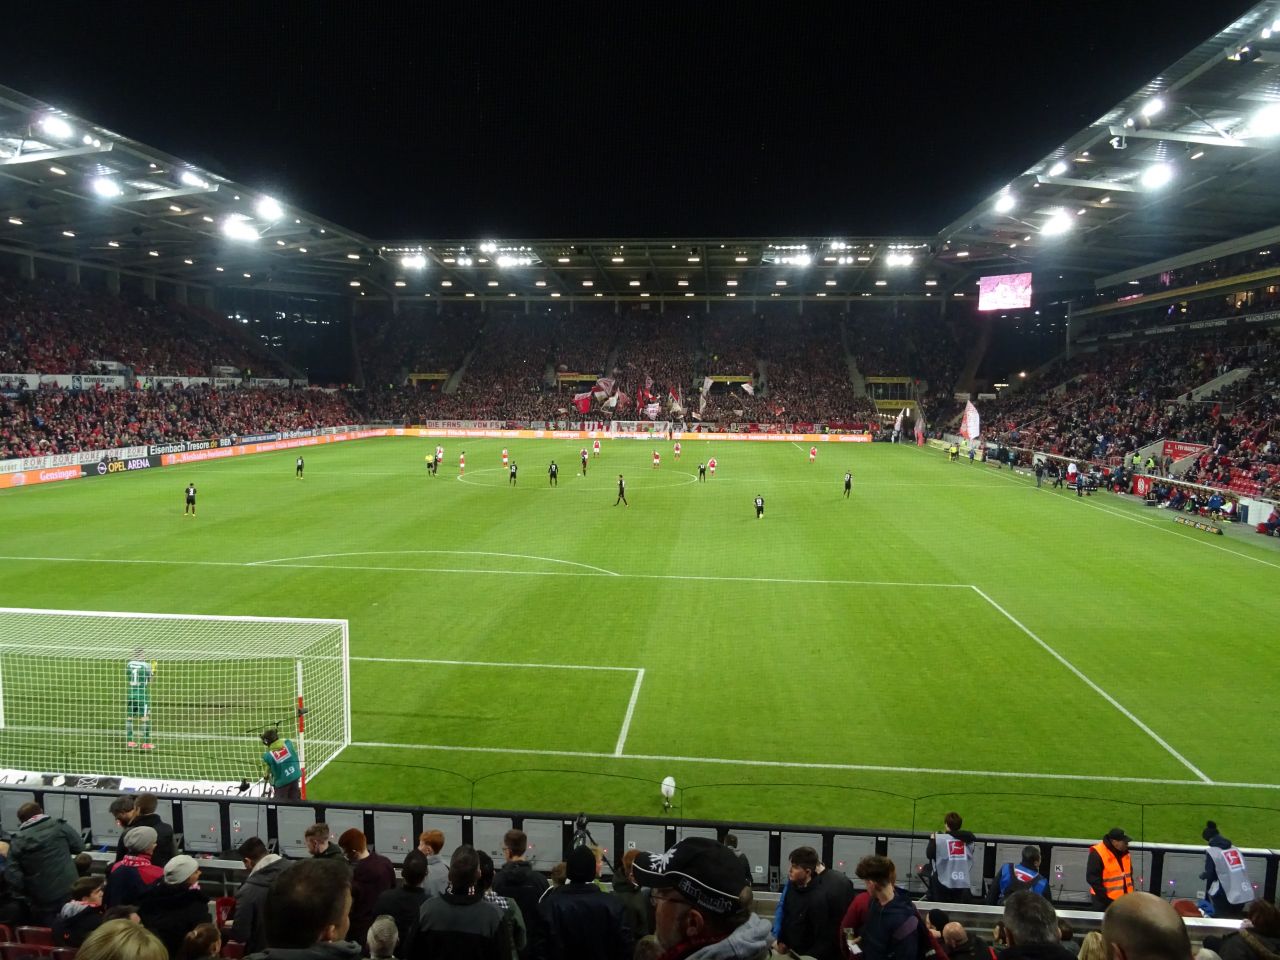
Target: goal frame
<point>341,625</point>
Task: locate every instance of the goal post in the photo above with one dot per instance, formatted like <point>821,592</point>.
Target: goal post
<point>168,697</point>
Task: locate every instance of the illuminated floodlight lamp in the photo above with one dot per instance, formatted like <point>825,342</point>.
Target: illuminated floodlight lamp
<point>106,187</point>
<point>506,260</point>
<point>189,179</point>
<point>1060,222</point>
<point>57,127</point>
<point>488,247</point>
<point>896,259</point>
<point>1266,122</point>
<point>269,209</point>
<point>796,259</point>
<point>1058,169</point>
<point>237,227</point>
<point>1152,107</point>
<point>1006,202</point>
<point>1156,176</point>
<point>414,261</point>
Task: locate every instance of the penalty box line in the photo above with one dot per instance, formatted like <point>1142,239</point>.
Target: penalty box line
<point>1094,687</point>
<point>802,765</point>
<point>631,704</point>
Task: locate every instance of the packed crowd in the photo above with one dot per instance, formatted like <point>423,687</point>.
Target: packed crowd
<point>417,339</point>
<point>344,901</point>
<point>61,328</point>
<point>54,420</point>
<point>1106,405</point>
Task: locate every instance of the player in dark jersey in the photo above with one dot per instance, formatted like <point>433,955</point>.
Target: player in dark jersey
<point>622,492</point>
<point>702,472</point>
<point>511,482</point>
<point>297,470</point>
<point>759,506</point>
<point>553,475</point>
<point>848,483</point>
<point>190,508</point>
<point>584,461</point>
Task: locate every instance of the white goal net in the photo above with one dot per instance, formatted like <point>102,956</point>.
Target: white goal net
<point>168,696</point>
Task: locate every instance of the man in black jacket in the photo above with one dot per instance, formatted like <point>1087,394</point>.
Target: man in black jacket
<point>583,922</point>
<point>140,811</point>
<point>518,880</point>
<point>458,923</point>
<point>308,912</point>
<point>174,907</point>
<point>247,924</point>
<point>403,903</point>
<point>813,907</point>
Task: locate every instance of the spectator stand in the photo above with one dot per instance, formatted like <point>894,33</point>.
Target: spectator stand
<point>212,827</point>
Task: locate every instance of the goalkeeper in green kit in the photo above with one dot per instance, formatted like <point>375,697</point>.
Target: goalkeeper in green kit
<point>139,674</point>
<point>284,766</point>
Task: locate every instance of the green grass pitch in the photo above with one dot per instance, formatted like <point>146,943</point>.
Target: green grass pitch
<point>948,637</point>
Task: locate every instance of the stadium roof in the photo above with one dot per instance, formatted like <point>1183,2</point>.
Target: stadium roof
<point>1189,161</point>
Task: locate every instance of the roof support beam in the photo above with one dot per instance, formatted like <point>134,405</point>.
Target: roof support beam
<point>1107,186</point>
<point>1149,134</point>
<point>39,155</point>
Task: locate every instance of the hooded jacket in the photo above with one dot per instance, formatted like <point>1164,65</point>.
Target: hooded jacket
<point>748,942</point>
<point>40,864</point>
<point>247,925</point>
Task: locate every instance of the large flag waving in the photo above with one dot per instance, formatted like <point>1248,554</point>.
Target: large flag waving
<point>582,401</point>
<point>897,427</point>
<point>749,388</point>
<point>919,427</point>
<point>971,425</point>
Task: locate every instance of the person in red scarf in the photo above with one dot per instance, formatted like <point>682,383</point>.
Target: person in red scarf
<point>134,872</point>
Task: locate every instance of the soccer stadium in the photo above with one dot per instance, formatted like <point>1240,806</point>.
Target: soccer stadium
<point>797,555</point>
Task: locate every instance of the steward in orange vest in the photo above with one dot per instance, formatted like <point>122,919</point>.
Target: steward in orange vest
<point>1109,872</point>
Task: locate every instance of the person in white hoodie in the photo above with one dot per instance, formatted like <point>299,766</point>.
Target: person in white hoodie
<point>703,905</point>
<point>247,925</point>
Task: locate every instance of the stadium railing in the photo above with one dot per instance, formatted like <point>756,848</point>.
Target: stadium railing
<point>214,826</point>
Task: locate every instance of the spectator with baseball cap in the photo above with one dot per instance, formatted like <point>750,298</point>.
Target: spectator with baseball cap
<point>174,907</point>
<point>1109,871</point>
<point>703,902</point>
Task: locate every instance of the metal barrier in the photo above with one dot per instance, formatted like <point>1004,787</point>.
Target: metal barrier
<point>216,826</point>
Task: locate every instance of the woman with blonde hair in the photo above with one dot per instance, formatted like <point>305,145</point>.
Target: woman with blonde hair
<point>1092,948</point>
<point>122,940</point>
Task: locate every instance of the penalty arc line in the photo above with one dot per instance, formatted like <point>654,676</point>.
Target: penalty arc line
<point>802,765</point>
<point>459,553</point>
<point>1096,689</point>
<point>631,709</point>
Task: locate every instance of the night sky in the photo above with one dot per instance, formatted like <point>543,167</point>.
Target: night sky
<point>471,119</point>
